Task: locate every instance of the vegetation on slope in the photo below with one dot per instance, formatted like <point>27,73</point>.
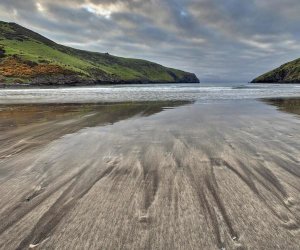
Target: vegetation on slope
<point>26,56</point>
<point>286,73</point>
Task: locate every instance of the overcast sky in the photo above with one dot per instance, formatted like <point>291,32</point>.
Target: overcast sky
<point>219,40</point>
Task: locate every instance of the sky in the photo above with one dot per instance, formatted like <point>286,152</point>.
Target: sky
<point>219,40</point>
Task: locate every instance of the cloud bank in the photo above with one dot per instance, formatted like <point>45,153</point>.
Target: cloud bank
<point>219,40</point>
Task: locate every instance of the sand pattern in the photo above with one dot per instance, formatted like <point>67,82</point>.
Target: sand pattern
<point>221,175</point>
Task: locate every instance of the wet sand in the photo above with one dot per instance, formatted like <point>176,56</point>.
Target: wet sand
<point>164,175</point>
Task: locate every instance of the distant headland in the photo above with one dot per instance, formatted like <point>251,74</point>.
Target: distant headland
<point>29,58</point>
<point>286,73</point>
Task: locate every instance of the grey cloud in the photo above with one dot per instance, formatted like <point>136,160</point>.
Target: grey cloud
<point>219,40</point>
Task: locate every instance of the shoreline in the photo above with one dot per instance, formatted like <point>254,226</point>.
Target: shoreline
<point>141,93</point>
<point>57,86</point>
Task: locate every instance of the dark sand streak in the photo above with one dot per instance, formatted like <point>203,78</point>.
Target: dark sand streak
<point>138,176</point>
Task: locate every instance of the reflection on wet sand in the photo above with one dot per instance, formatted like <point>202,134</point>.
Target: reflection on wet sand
<point>26,126</point>
<point>196,176</point>
<point>289,105</point>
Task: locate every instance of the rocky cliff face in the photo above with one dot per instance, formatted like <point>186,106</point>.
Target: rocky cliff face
<point>287,73</point>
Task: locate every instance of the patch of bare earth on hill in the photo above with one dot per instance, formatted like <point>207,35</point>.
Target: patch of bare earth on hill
<point>14,66</point>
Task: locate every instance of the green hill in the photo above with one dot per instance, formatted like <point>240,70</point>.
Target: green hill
<point>27,57</point>
<point>286,73</point>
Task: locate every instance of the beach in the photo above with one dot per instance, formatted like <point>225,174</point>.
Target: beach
<point>213,174</point>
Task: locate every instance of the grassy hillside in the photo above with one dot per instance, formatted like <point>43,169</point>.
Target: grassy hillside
<point>28,57</point>
<point>287,73</point>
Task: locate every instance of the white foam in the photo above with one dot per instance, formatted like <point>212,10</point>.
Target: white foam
<point>154,92</point>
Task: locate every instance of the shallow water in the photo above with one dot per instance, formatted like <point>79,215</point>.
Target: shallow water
<point>148,92</point>
<point>197,173</point>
